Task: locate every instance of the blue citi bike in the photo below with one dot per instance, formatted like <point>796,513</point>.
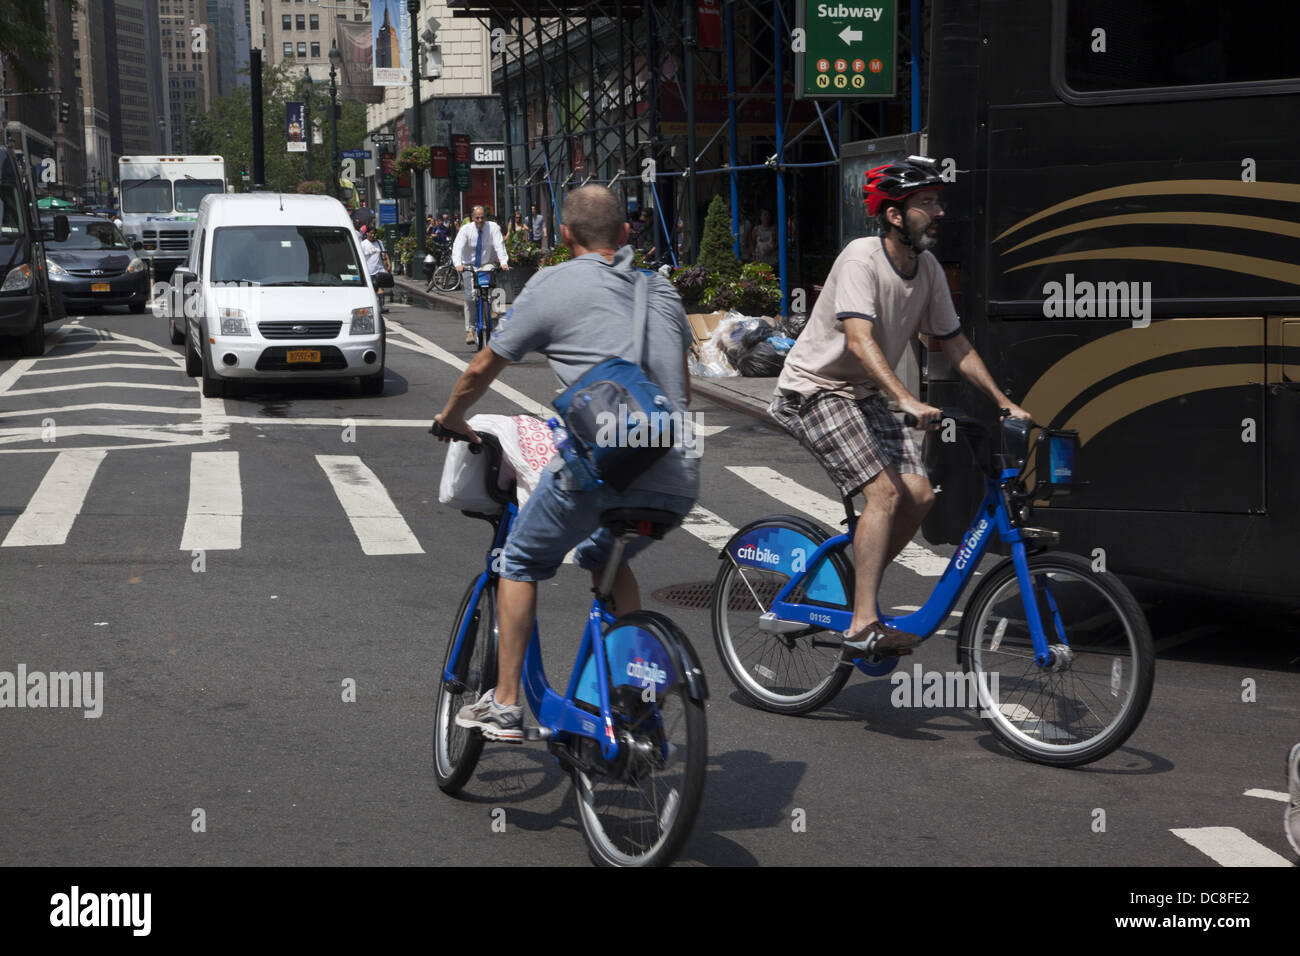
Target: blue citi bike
<point>482,278</point>
<point>629,728</point>
<point>1060,654</point>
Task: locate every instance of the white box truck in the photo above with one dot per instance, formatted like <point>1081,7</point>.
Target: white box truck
<point>160,203</point>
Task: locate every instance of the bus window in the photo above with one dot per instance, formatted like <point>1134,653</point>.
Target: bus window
<point>1149,44</point>
<point>146,195</point>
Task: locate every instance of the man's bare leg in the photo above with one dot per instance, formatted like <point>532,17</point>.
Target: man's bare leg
<point>516,611</point>
<point>895,506</point>
<point>626,593</point>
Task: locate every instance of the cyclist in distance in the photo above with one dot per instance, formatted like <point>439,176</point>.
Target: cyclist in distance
<point>833,391</point>
<point>577,314</point>
<point>478,243</point>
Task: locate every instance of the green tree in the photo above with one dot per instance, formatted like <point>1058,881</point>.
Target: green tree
<point>26,39</point>
<point>226,129</point>
<point>716,252</point>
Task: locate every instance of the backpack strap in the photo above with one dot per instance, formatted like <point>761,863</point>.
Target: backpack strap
<point>640,311</point>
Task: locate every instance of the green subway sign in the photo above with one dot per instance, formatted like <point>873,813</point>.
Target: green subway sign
<point>850,50</point>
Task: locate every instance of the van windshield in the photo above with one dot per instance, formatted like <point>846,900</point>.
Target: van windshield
<point>285,255</point>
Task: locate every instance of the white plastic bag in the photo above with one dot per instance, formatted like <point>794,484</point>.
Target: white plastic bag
<point>525,450</point>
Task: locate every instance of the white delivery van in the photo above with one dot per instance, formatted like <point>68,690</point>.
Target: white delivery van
<point>276,289</point>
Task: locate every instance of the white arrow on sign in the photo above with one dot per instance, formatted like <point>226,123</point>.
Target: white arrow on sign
<point>848,35</point>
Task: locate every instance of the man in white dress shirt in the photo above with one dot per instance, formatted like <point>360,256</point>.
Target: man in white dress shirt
<point>478,243</point>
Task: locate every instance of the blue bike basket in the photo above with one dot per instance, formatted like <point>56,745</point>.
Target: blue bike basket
<point>1057,465</point>
<point>484,279</point>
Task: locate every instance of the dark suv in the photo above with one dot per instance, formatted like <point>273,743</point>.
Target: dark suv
<point>26,301</point>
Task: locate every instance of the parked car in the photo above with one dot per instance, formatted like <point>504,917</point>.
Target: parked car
<point>276,289</point>
<point>26,299</point>
<point>95,267</point>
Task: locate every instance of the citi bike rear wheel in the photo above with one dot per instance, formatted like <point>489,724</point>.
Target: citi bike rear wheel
<point>639,810</point>
<point>456,749</point>
<point>787,673</point>
<point>1087,701</point>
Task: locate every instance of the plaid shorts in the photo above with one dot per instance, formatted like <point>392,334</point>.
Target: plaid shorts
<point>853,440</point>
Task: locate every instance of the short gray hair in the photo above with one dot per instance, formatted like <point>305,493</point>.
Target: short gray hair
<point>594,216</point>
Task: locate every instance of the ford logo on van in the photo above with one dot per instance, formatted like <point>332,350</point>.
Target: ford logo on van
<point>300,330</point>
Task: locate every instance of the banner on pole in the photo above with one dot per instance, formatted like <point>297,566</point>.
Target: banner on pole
<point>295,128</point>
<point>391,36</point>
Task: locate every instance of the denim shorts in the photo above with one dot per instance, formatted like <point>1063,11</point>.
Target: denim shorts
<point>559,516</point>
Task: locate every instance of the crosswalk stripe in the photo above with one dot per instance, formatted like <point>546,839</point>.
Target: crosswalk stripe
<point>915,557</point>
<point>58,500</point>
<point>708,527</point>
<point>1277,795</point>
<point>1228,846</point>
<point>216,510</point>
<point>377,523</point>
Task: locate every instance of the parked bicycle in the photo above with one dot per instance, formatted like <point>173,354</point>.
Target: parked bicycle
<point>442,274</point>
<point>629,728</point>
<point>1061,654</point>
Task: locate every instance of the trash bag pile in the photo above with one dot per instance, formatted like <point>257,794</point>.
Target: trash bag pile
<point>747,345</point>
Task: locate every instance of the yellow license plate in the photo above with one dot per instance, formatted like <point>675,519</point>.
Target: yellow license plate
<point>303,355</point>
<point>100,287</point>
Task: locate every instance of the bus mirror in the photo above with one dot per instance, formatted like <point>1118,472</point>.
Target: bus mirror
<point>61,230</point>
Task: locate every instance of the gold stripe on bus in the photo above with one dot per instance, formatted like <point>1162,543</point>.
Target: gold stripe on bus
<point>1280,227</point>
<point>1136,394</point>
<point>1278,192</point>
<point>1104,357</point>
<point>1209,258</point>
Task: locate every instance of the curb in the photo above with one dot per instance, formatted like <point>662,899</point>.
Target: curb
<point>411,287</point>
<point>754,407</point>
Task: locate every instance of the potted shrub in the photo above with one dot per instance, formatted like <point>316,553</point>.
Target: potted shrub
<point>690,283</point>
<point>404,252</point>
<point>312,187</point>
<point>413,157</point>
<point>757,291</point>
<point>556,256</point>
<point>525,257</point>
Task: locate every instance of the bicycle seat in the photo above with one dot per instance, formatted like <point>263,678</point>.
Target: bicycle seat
<point>652,521</point>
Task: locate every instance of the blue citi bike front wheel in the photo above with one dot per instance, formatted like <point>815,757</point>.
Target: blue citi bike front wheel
<point>1092,692</point>
<point>455,749</point>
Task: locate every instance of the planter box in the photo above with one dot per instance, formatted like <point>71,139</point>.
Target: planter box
<point>513,281</point>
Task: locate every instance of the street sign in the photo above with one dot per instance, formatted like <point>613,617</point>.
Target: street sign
<point>356,154</point>
<point>460,159</point>
<point>388,182</point>
<point>850,50</point>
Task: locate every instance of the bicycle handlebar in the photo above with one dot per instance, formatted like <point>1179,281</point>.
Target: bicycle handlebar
<point>439,431</point>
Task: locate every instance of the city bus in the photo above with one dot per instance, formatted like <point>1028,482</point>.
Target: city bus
<point>160,203</point>
<point>1122,240</point>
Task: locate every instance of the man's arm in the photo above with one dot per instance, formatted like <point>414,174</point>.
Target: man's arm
<point>503,257</point>
<point>470,387</point>
<point>963,357</point>
<point>457,257</point>
<point>863,347</point>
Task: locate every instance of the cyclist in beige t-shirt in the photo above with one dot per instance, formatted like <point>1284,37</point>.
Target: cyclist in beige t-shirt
<point>833,391</point>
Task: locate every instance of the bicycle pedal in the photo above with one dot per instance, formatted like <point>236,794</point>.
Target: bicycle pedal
<point>537,733</point>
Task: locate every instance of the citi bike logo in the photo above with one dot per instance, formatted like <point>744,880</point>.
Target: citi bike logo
<point>634,428</point>
<point>761,555</point>
<point>971,543</point>
<point>646,671</point>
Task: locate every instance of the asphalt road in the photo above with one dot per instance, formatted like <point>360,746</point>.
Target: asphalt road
<point>227,642</point>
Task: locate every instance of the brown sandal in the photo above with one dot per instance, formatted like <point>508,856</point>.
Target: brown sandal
<point>876,638</point>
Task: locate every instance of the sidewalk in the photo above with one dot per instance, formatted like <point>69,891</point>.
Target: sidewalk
<point>748,395</point>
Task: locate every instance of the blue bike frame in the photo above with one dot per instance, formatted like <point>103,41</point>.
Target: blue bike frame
<point>559,714</point>
<point>991,515</point>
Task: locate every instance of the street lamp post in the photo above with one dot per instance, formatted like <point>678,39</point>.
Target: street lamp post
<point>306,119</point>
<point>417,175</point>
<point>336,60</point>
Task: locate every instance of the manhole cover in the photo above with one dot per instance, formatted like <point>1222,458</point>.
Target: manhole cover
<point>699,596</point>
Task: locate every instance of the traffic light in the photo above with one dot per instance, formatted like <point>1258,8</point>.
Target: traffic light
<point>65,111</point>
<point>430,51</point>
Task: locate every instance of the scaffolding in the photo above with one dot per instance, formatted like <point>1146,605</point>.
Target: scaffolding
<point>622,63</point>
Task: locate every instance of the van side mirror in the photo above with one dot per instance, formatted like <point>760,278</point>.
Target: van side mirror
<point>137,245</point>
<point>61,229</point>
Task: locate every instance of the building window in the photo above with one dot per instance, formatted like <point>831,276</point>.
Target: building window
<point>288,49</point>
<point>286,22</point>
<point>301,22</point>
<point>315,21</point>
<point>341,16</point>
<point>315,51</point>
<point>356,16</point>
<point>302,49</point>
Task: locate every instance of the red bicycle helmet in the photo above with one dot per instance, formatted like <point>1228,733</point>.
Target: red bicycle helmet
<point>897,181</point>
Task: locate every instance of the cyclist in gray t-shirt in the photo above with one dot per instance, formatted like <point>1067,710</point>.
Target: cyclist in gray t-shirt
<point>576,314</point>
